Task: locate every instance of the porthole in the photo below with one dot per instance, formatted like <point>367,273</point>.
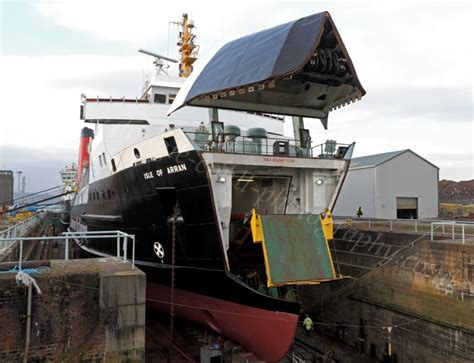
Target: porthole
<point>137,153</point>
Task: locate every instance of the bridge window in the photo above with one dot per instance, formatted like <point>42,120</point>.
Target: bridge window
<point>159,98</point>
<point>100,160</point>
<point>171,98</point>
<point>171,146</point>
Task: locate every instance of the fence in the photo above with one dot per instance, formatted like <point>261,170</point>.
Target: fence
<point>9,236</point>
<point>453,226</point>
<point>119,236</point>
<point>460,230</point>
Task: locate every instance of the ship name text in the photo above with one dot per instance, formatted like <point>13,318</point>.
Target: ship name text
<point>176,168</point>
<point>169,170</point>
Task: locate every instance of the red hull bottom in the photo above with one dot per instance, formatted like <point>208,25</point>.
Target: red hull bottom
<point>268,334</point>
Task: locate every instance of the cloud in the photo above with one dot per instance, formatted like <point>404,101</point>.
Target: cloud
<point>413,58</point>
<point>40,167</point>
<point>43,94</point>
<point>436,103</point>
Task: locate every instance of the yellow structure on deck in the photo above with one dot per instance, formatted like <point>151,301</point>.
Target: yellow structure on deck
<point>187,48</point>
<point>328,226</point>
<point>295,247</point>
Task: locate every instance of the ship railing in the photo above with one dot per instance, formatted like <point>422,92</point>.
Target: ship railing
<point>272,146</point>
<point>461,230</point>
<point>121,238</point>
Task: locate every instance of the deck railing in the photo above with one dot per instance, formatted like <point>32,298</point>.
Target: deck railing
<point>274,146</point>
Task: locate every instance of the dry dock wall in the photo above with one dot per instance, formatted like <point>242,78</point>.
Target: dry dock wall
<point>89,310</point>
<point>426,294</point>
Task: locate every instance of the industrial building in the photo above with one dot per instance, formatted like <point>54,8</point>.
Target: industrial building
<point>399,184</point>
<point>6,187</point>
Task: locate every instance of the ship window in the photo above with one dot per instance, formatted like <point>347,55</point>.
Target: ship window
<point>137,153</point>
<point>100,160</point>
<point>159,98</point>
<point>114,168</point>
<point>103,157</point>
<point>171,98</point>
<point>171,146</point>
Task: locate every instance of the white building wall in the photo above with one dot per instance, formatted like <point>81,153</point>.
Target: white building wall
<point>358,190</point>
<point>406,175</point>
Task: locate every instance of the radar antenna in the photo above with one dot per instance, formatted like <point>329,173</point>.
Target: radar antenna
<point>158,62</point>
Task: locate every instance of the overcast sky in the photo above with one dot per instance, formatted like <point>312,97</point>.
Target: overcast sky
<point>414,58</point>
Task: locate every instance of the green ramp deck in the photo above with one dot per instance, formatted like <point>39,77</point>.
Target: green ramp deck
<point>294,247</point>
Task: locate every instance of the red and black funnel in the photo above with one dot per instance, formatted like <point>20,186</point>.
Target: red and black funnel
<point>84,158</point>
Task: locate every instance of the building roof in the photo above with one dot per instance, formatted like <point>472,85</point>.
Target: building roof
<point>371,161</point>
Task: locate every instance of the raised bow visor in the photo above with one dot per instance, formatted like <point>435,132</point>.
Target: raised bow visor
<point>300,68</point>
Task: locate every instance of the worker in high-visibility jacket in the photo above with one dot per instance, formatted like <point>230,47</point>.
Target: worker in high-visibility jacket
<point>308,324</point>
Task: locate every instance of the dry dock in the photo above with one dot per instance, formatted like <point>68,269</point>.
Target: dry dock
<point>404,290</point>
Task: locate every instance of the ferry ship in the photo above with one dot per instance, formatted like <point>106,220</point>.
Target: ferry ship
<point>229,214</point>
<point>68,180</point>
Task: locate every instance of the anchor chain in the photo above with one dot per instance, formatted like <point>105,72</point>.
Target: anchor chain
<point>173,277</point>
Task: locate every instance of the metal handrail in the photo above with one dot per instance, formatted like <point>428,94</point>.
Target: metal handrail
<point>424,220</point>
<point>260,145</point>
<point>431,223</point>
<point>18,229</point>
<point>66,236</point>
<point>453,224</point>
<point>332,147</point>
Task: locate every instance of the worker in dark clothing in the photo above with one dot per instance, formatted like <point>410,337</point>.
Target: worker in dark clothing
<point>359,212</point>
<point>308,325</point>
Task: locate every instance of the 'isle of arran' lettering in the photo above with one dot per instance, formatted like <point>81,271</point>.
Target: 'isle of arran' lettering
<point>176,168</point>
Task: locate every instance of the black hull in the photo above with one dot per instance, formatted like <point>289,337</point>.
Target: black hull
<point>135,203</point>
<point>65,212</point>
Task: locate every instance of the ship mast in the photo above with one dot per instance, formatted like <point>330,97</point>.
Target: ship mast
<point>188,50</point>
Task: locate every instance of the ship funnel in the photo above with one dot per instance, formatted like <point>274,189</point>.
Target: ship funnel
<point>84,158</point>
<point>300,68</point>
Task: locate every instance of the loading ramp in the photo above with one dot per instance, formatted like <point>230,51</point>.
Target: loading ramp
<point>295,248</point>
